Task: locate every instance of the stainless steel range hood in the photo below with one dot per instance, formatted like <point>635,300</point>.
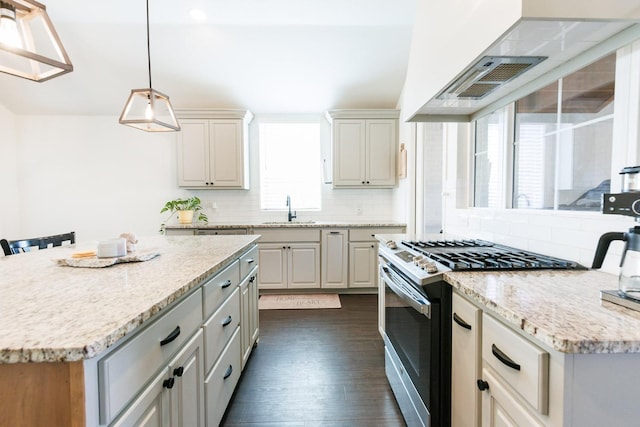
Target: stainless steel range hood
<point>467,58</point>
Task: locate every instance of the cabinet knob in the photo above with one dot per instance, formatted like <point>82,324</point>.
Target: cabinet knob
<point>482,385</point>
<point>178,371</point>
<point>363,182</point>
<point>168,383</point>
<point>367,182</point>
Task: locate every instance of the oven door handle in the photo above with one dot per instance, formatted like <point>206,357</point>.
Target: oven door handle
<point>399,286</point>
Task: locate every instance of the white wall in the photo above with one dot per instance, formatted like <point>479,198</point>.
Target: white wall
<point>10,218</point>
<point>99,178</point>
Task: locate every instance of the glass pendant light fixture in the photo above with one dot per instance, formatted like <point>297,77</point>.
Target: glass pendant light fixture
<point>148,109</point>
<point>29,45</point>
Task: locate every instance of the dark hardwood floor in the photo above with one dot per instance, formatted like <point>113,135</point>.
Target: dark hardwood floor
<point>316,368</point>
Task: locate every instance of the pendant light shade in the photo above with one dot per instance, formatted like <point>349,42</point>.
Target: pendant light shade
<point>148,109</point>
<point>29,45</point>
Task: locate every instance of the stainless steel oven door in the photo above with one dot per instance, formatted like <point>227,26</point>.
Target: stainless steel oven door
<point>411,327</point>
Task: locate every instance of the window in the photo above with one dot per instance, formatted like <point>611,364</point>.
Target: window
<point>563,141</point>
<point>562,137</point>
<point>489,159</point>
<point>290,165</point>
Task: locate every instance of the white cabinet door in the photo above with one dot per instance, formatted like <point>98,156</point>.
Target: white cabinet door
<point>304,265</point>
<point>254,312</point>
<point>363,265</point>
<point>349,162</point>
<point>187,394</point>
<point>334,258</point>
<point>193,153</point>
<point>151,408</point>
<point>213,152</point>
<point>381,152</point>
<point>364,152</point>
<point>466,332</point>
<point>245,321</point>
<point>272,258</point>
<point>226,153</point>
<point>500,408</point>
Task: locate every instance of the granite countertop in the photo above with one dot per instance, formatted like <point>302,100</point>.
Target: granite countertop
<point>286,224</point>
<point>561,309</point>
<point>52,313</point>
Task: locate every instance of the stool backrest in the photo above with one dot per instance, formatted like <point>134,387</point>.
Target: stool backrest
<point>11,247</point>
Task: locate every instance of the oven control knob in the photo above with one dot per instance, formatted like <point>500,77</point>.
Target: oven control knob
<point>432,267</point>
<point>417,259</point>
<point>423,264</point>
<point>392,245</point>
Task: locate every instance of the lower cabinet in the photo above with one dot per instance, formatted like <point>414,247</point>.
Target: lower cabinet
<point>289,265</point>
<point>222,380</point>
<point>498,377</point>
<point>181,369</point>
<point>363,268</point>
<point>335,259</point>
<point>249,324</point>
<point>500,408</point>
<point>466,334</point>
<point>175,397</point>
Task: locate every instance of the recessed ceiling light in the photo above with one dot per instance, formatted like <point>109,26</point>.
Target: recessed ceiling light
<point>198,15</point>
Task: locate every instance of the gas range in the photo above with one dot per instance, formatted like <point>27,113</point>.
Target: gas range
<point>424,261</point>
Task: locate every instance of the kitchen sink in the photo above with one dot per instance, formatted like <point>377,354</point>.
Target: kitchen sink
<point>288,222</point>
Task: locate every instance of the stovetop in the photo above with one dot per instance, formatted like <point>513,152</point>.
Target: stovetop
<point>483,255</point>
<point>425,261</point>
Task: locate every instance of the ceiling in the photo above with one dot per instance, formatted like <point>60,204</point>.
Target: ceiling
<point>268,56</point>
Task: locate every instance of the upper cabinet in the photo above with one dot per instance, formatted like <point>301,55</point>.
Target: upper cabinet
<point>364,146</point>
<point>213,149</point>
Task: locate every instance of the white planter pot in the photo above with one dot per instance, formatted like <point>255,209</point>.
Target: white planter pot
<point>185,217</point>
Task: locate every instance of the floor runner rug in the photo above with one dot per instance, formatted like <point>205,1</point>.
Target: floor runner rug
<point>287,302</point>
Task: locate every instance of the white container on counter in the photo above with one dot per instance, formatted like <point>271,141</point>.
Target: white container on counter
<point>112,248</point>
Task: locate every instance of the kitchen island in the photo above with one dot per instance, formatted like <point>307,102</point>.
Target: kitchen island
<point>57,323</point>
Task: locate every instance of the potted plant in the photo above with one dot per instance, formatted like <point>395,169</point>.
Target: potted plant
<point>186,209</point>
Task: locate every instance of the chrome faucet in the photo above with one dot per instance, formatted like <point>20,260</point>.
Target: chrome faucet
<point>290,215</point>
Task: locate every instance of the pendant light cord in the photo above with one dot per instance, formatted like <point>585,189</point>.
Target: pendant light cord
<point>148,46</point>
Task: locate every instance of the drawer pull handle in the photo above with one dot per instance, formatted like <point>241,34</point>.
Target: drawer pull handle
<point>250,261</point>
<point>482,385</point>
<point>504,358</point>
<point>168,383</point>
<point>227,321</point>
<point>226,284</point>
<point>178,371</point>
<point>334,232</point>
<point>228,373</point>
<point>172,336</point>
<point>461,322</point>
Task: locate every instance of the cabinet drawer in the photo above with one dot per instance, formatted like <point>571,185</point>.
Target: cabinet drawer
<point>219,328</point>
<point>122,374</point>
<point>366,234</point>
<point>248,262</point>
<point>219,287</point>
<point>288,235</point>
<point>522,365</point>
<point>219,385</point>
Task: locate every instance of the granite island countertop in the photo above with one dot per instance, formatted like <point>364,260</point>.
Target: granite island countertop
<point>53,313</point>
<point>561,309</point>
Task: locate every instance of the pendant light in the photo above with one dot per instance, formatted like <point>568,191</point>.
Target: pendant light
<point>29,45</point>
<point>148,109</point>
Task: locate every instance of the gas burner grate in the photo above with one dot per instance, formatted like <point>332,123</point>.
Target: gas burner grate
<point>483,255</point>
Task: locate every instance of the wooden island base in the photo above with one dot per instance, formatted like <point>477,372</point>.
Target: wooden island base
<point>42,394</point>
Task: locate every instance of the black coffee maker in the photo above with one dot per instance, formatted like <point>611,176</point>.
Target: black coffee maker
<point>626,203</point>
